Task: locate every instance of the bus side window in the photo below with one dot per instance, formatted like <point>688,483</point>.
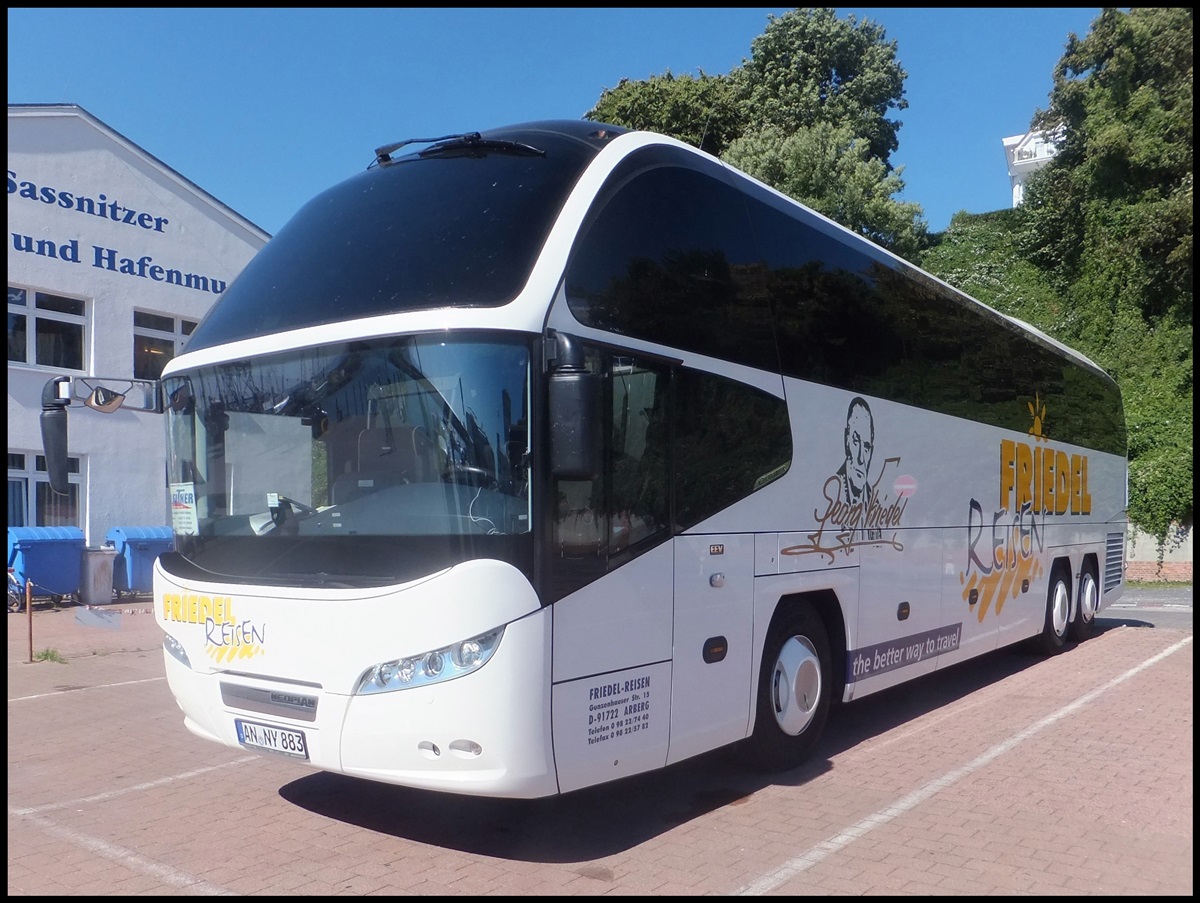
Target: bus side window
<point>640,487</point>
<point>629,503</point>
<point>730,440</point>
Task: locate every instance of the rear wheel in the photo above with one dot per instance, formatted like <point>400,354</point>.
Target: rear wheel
<point>794,692</point>
<point>1087,605</point>
<point>1058,613</point>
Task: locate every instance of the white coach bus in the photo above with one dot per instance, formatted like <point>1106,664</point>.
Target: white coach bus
<point>535,458</point>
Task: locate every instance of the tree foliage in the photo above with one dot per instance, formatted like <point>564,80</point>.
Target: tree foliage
<point>807,114</point>
<point>1109,221</point>
<point>703,111</point>
<point>979,255</point>
<point>810,67</point>
<point>830,169</point>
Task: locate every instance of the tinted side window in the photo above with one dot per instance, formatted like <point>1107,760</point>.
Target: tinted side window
<point>849,318</point>
<point>679,445</point>
<point>730,440</point>
<point>669,258</point>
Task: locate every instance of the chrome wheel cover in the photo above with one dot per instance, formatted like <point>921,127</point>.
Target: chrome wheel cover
<point>1089,599</point>
<point>795,685</point>
<point>1060,608</point>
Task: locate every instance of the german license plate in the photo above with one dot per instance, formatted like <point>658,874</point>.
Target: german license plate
<point>275,739</point>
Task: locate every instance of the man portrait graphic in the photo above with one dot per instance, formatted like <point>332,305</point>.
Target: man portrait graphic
<point>855,471</point>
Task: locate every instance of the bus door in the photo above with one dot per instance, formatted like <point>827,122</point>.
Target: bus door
<point>611,673</point>
<point>900,610</point>
<point>713,634</point>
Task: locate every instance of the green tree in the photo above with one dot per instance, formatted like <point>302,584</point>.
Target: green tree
<point>806,114</point>
<point>810,67</point>
<point>829,169</point>
<point>703,111</point>
<point>980,255</point>
<point>1109,221</point>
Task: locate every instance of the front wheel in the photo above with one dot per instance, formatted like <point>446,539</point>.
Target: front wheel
<point>795,689</point>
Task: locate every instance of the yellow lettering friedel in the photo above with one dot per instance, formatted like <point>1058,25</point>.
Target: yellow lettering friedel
<point>197,609</point>
<point>1049,481</point>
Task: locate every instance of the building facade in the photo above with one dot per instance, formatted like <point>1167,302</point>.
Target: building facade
<point>1026,154</point>
<point>113,258</point>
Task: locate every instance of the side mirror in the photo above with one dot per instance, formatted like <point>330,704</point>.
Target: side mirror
<point>134,395</point>
<point>575,400</point>
<point>54,431</point>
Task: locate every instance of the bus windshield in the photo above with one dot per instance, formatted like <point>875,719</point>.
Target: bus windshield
<point>455,225</point>
<point>352,464</point>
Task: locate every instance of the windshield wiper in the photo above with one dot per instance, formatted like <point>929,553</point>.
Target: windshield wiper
<point>469,142</point>
<point>283,515</point>
<point>316,578</point>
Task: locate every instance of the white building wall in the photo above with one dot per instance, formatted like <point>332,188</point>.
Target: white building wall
<point>1025,154</point>
<point>116,265</point>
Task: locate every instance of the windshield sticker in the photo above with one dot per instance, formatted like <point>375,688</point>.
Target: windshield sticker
<point>183,509</point>
<point>856,510</point>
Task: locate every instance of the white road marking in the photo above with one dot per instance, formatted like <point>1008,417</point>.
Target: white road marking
<point>148,785</point>
<point>124,683</point>
<point>119,854</point>
<point>128,858</point>
<point>840,841</point>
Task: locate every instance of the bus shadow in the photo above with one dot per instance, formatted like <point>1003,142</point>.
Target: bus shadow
<point>596,822</point>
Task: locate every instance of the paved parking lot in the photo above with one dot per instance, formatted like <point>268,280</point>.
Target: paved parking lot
<point>1009,775</point>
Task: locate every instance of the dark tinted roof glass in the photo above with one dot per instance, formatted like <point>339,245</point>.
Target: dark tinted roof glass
<point>456,227</point>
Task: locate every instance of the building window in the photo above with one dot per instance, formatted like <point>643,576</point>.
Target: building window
<point>46,330</point>
<point>156,339</point>
<point>31,501</point>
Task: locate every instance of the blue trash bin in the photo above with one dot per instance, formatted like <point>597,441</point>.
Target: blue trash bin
<point>137,548</point>
<point>50,557</point>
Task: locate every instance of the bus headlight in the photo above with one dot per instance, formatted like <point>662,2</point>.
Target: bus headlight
<point>176,649</point>
<point>434,666</point>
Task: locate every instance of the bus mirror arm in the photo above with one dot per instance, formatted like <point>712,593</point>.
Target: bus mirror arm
<point>574,396</point>
<point>54,430</point>
<point>103,394</point>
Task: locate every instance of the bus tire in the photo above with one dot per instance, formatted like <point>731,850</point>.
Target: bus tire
<point>1058,612</point>
<point>795,688</point>
<point>1086,605</point>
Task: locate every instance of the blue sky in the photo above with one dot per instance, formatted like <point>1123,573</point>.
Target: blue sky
<point>264,108</point>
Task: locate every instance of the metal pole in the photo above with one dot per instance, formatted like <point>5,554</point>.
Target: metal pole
<point>29,615</point>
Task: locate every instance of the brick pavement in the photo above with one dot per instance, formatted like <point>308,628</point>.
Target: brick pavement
<point>74,630</point>
<point>1007,775</point>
